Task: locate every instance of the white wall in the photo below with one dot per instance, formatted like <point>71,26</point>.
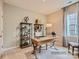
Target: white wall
<point>12,18</point>
<point>1,25</point>
<point>56,19</point>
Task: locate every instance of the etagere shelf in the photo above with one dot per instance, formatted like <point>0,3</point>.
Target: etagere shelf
<point>25,34</point>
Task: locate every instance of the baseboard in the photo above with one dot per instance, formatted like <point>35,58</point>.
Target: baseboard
<point>7,49</point>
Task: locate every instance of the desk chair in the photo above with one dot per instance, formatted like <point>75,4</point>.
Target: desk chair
<point>73,45</point>
<point>53,41</point>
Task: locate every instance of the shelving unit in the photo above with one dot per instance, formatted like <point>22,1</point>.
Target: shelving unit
<point>25,34</point>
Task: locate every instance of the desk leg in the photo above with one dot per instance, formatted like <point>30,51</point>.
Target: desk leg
<point>34,51</point>
<point>34,48</point>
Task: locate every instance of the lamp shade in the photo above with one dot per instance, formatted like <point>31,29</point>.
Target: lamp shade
<point>49,25</point>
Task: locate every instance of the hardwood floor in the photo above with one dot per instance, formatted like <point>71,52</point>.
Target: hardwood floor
<point>21,54</point>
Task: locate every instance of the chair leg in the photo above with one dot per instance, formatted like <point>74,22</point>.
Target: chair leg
<point>68,47</point>
<point>46,46</point>
<point>72,50</point>
<point>78,51</point>
<point>39,49</point>
<point>78,55</point>
<point>53,44</point>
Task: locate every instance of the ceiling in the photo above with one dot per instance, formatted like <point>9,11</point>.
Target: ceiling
<point>47,7</point>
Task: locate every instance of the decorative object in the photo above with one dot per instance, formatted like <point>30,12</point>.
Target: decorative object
<point>25,34</point>
<point>38,29</point>
<point>49,25</point>
<point>26,19</point>
<point>36,21</point>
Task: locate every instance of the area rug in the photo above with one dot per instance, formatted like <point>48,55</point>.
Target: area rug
<point>60,53</point>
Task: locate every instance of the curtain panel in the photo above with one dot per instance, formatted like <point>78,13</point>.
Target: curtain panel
<point>71,23</point>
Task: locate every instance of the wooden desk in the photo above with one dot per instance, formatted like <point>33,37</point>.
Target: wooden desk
<point>40,41</point>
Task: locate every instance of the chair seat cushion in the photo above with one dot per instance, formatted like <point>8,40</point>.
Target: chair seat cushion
<point>74,43</point>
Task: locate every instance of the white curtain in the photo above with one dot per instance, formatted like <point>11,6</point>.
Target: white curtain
<point>71,24</point>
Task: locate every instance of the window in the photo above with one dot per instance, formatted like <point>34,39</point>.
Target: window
<point>70,20</point>
<point>72,24</point>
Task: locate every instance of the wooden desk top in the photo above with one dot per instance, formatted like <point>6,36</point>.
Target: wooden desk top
<point>42,40</point>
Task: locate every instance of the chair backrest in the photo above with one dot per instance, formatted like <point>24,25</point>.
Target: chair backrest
<point>53,34</point>
<point>70,39</point>
<point>73,39</point>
